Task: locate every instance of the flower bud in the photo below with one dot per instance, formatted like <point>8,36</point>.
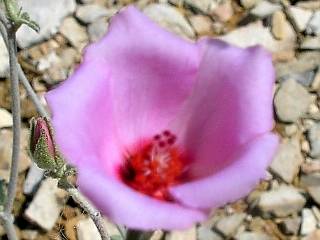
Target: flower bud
<point>42,146</point>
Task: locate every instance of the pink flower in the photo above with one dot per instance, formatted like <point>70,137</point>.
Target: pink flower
<point>161,129</point>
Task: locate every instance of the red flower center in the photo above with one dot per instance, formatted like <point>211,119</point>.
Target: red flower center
<point>154,166</point>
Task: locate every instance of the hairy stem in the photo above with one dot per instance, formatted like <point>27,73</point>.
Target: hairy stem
<point>15,107</point>
<point>92,211</point>
<point>7,221</point>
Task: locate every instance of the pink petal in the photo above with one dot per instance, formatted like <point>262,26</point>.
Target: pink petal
<point>235,181</point>
<point>129,86</point>
<point>231,104</point>
<point>135,210</point>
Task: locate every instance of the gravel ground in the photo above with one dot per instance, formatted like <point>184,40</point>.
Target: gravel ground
<point>285,206</point>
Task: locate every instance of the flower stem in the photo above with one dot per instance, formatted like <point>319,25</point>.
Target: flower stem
<point>7,221</point>
<point>92,211</point>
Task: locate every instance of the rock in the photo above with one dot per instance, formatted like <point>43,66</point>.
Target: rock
<point>309,222</point>
<point>45,208</point>
<point>286,163</point>
<point>315,85</point>
<point>291,226</point>
<point>75,33</point>
<point>311,183</point>
<point>253,236</point>
<point>92,12</point>
<point>314,26</point>
<point>6,149</point>
<point>290,130</point>
<point>201,24</point>
<point>169,18</point>
<point>87,230</point>
<point>311,166</point>
<point>255,33</point>
<point>5,118</point>
<point>281,202</point>
<point>279,24</point>
<point>205,233</point>
<point>224,11</point>
<point>48,14</point>
<point>301,16</point>
<point>189,234</point>
<point>315,235</point>
<point>33,178</point>
<point>314,140</point>
<point>229,225</point>
<point>97,29</point>
<point>4,60</point>
<point>265,8</point>
<point>247,4</point>
<point>291,101</point>
<point>205,6</point>
<point>312,43</point>
<point>314,192</point>
<point>29,234</point>
<point>157,235</point>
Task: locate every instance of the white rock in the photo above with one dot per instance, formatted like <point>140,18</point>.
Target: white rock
<point>256,33</point>
<point>5,118</point>
<point>206,6</point>
<point>45,208</point>
<point>201,24</point>
<point>189,234</point>
<point>301,17</point>
<point>314,139</point>
<point>252,236</point>
<point>314,24</point>
<point>312,43</point>
<point>205,233</point>
<point>33,178</point>
<point>97,29</point>
<point>279,25</point>
<point>287,161</point>
<point>91,12</point>
<point>48,14</point>
<point>309,222</point>
<point>281,202</point>
<point>169,18</point>
<point>74,32</point>
<point>228,225</point>
<point>248,3</point>
<point>4,59</point>
<point>87,230</point>
<point>291,101</point>
<point>265,8</point>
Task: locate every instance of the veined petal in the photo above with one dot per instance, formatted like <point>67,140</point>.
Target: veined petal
<point>247,167</point>
<point>230,105</point>
<point>133,209</point>
<point>129,86</point>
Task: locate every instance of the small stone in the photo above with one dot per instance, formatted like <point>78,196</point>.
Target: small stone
<point>205,233</point>
<point>91,12</point>
<point>4,59</point>
<point>223,11</point>
<point>290,130</point>
<point>247,4</point>
<point>201,24</point>
<point>169,18</point>
<point>265,8</point>
<point>206,6</point>
<point>309,222</point>
<point>189,234</point>
<point>74,32</point>
<point>45,208</point>
<point>279,25</point>
<point>301,16</point>
<point>291,101</point>
<point>281,202</point>
<point>29,234</point>
<point>5,118</point>
<point>157,235</point>
<point>49,14</point>
<point>314,140</point>
<point>257,34</point>
<point>315,235</point>
<point>311,43</point>
<point>315,85</point>
<point>311,166</point>
<point>229,225</point>
<point>287,161</point>
<point>291,226</point>
<point>253,236</point>
<point>314,26</point>
<point>33,178</point>
<point>97,29</point>
<point>87,230</point>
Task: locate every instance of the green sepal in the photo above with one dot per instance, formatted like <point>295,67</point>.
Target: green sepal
<point>42,156</point>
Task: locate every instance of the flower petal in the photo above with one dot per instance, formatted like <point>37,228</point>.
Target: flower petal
<point>233,182</point>
<point>135,210</point>
<point>128,86</point>
<point>152,73</point>
<point>231,104</point>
